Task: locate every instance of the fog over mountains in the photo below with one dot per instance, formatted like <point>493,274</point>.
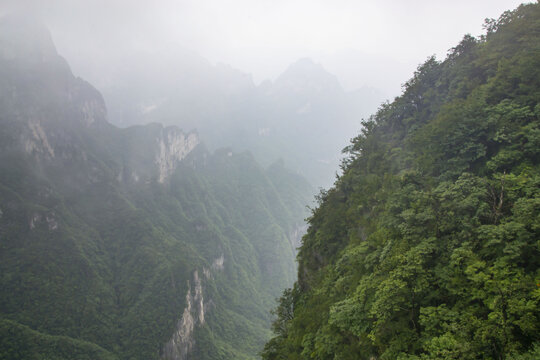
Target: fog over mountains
<point>304,116</point>
<point>172,171</point>
<point>165,63</point>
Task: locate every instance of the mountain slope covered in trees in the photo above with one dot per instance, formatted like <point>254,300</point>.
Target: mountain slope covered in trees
<point>427,247</point>
<point>131,243</point>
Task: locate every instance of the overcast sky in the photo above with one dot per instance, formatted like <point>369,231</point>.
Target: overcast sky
<point>364,42</point>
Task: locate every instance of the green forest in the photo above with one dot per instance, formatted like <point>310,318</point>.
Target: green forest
<point>147,242</point>
<point>114,241</point>
<point>428,245</point>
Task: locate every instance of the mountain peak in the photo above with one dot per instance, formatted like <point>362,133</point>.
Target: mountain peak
<point>305,61</point>
<point>33,72</point>
<point>306,76</point>
<point>23,37</point>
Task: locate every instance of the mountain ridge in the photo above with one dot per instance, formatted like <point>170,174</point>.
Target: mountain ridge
<point>116,238</point>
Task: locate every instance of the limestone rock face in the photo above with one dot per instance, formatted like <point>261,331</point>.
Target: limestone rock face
<point>173,146</point>
<point>182,341</point>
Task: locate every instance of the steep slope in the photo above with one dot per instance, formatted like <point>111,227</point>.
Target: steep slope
<point>131,243</point>
<point>428,245</point>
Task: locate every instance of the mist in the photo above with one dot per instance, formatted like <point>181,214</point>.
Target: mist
<point>288,80</point>
<point>269,180</point>
<point>364,43</point>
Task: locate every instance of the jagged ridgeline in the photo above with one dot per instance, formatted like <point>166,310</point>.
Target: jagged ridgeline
<point>427,247</point>
<point>128,243</point>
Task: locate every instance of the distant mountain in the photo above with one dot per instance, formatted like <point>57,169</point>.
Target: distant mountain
<point>304,117</point>
<point>174,86</point>
<point>308,80</point>
<point>134,243</point>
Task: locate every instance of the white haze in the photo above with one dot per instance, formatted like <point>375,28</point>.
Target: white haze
<point>365,43</point>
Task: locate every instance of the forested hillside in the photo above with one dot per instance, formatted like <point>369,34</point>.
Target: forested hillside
<point>428,245</point>
<point>131,243</point>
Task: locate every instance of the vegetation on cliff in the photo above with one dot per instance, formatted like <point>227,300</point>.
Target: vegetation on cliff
<point>427,247</point>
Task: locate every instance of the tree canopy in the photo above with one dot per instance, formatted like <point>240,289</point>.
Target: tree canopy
<point>428,245</point>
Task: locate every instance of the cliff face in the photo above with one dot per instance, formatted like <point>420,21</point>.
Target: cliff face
<point>53,110</point>
<point>173,146</point>
<point>47,109</point>
<point>182,342</point>
<point>34,74</point>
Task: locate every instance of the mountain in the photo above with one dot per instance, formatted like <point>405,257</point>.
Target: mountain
<point>304,116</point>
<point>174,86</point>
<point>308,80</point>
<point>427,247</point>
<point>133,243</point>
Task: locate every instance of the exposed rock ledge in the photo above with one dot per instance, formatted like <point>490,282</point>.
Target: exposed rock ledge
<point>182,342</point>
<point>173,146</point>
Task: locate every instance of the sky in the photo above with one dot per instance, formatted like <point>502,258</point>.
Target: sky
<point>366,43</point>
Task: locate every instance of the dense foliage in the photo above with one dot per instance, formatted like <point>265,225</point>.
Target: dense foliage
<point>109,264</point>
<point>20,342</point>
<point>428,245</point>
<point>97,256</point>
